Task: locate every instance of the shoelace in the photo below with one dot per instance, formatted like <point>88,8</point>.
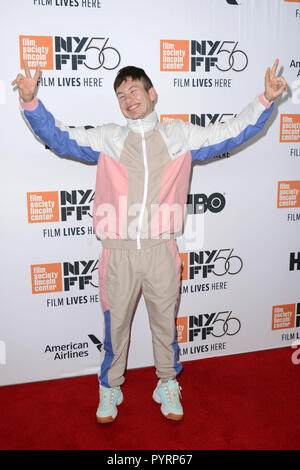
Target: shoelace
<point>106,397</point>
<point>173,394</point>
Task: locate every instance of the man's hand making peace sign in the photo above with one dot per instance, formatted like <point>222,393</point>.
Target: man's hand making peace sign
<point>27,85</point>
<point>274,86</point>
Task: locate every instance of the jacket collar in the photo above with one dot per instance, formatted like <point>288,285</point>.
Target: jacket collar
<point>148,123</point>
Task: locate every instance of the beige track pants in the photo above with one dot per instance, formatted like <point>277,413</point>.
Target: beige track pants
<point>124,271</point>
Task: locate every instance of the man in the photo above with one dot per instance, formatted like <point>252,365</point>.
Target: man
<point>141,190</point>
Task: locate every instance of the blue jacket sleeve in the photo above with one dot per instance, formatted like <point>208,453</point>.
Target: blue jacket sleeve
<point>219,138</point>
<point>78,142</point>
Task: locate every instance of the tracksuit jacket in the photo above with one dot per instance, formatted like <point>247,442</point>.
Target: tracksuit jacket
<point>141,191</point>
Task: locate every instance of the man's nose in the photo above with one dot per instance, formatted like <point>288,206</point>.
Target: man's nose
<point>128,99</point>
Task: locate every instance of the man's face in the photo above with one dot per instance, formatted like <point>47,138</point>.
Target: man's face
<point>135,102</point>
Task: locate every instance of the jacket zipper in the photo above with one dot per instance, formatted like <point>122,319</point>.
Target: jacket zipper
<point>138,238</point>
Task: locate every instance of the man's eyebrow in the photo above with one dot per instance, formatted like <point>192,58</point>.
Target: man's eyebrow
<point>122,92</point>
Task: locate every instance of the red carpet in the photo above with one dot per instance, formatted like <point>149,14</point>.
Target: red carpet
<point>248,401</point>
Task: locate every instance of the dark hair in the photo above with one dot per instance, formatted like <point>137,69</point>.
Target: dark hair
<point>136,74</point>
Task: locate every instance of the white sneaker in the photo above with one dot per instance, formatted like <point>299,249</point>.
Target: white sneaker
<point>109,399</point>
<point>168,395</point>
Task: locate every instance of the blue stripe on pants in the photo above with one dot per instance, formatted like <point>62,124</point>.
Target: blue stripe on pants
<point>109,355</point>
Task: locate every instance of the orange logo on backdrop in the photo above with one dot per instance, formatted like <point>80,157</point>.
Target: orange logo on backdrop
<point>46,278</point>
<point>283,316</point>
<point>288,194</point>
<point>292,1</point>
<point>174,55</point>
<point>43,207</point>
<point>170,117</point>
<point>290,128</point>
<point>36,50</point>
<point>184,272</point>
<point>181,327</point>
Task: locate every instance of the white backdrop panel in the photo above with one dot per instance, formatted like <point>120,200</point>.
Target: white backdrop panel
<point>249,242</point>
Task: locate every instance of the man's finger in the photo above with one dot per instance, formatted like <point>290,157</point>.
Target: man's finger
<point>18,79</point>
<point>274,68</point>
<point>282,83</point>
<point>37,73</point>
<point>26,69</point>
<point>281,86</point>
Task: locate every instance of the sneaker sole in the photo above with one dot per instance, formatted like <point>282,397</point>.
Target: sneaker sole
<point>174,417</point>
<point>110,419</point>
<point>107,419</point>
<point>171,416</point>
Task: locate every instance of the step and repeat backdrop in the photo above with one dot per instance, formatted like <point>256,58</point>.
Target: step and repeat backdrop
<point>241,244</point>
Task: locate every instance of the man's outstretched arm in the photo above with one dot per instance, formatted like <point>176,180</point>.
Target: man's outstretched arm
<point>223,137</point>
<point>78,142</point>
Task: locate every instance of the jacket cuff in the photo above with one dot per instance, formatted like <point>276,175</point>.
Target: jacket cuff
<point>264,101</point>
<point>31,105</point>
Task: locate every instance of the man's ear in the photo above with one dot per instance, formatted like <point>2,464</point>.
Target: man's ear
<point>153,94</point>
